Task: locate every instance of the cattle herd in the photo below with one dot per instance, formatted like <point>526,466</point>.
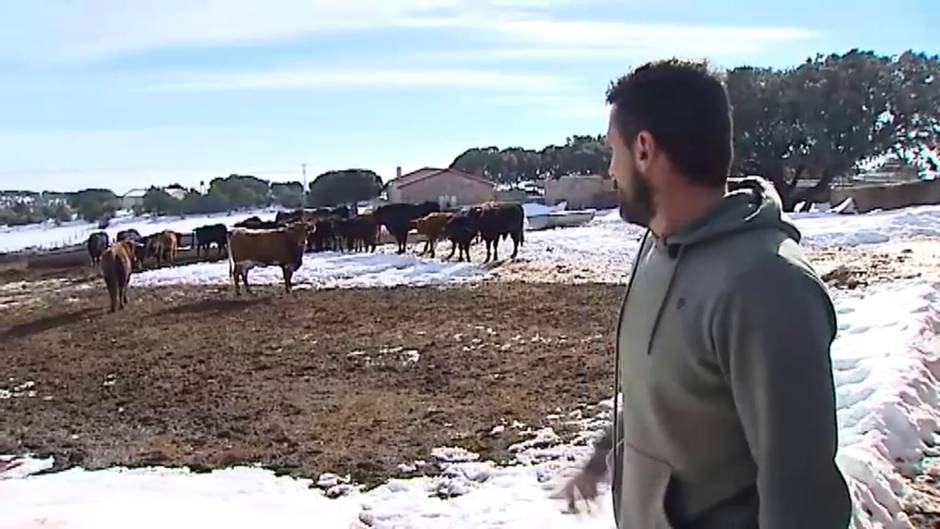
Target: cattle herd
<point>283,241</point>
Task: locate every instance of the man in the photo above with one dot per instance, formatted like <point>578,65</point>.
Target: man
<point>728,418</point>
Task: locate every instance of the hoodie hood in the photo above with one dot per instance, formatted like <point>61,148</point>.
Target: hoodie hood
<point>751,203</point>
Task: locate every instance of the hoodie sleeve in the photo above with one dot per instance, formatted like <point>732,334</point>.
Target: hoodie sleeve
<point>771,334</point>
<point>597,464</point>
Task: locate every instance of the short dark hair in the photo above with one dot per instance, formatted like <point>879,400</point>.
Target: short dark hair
<point>686,108</point>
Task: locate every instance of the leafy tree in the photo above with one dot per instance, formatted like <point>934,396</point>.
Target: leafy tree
<point>157,201</point>
<point>819,120</point>
<point>288,194</point>
<point>344,187</point>
<point>580,155</point>
<point>240,191</point>
<point>94,204</point>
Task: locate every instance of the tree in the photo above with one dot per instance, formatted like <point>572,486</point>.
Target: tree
<point>158,202</point>
<point>288,194</point>
<point>240,191</point>
<point>819,120</point>
<point>94,204</point>
<point>580,155</point>
<point>344,187</point>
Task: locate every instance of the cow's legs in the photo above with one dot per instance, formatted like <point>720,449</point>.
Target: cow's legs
<point>433,243</point>
<point>453,248</point>
<point>516,240</point>
<point>245,280</point>
<point>288,272</point>
<point>236,276</point>
<point>465,247</point>
<point>111,282</point>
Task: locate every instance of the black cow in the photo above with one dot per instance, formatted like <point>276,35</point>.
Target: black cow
<point>461,229</point>
<point>129,235</point>
<point>147,247</point>
<point>207,235</point>
<point>360,233</point>
<point>255,223</point>
<point>495,220</point>
<point>397,218</point>
<point>323,236</point>
<point>284,217</point>
<point>97,243</point>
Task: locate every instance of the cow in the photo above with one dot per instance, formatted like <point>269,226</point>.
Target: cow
<point>129,235</point>
<point>323,236</point>
<point>432,227</point>
<point>117,264</point>
<point>359,233</point>
<point>166,244</point>
<point>461,229</point>
<point>285,217</point>
<point>282,247</point>
<point>255,223</point>
<point>205,236</point>
<point>499,219</point>
<point>397,218</point>
<point>144,248</point>
<point>97,243</point>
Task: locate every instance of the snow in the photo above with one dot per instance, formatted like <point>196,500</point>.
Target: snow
<point>887,413</point>
<point>326,270</point>
<point>886,392</point>
<point>606,246</point>
<point>47,235</point>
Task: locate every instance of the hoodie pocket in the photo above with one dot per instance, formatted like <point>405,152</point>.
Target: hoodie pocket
<point>643,496</point>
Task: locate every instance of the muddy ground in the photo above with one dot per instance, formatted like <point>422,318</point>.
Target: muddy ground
<point>347,381</point>
<point>351,381</point>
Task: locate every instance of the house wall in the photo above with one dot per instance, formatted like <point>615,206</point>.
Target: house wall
<point>464,190</point>
<point>889,196</point>
<point>581,192</point>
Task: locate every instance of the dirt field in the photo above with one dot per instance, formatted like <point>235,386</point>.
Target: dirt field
<point>345,381</point>
<point>341,381</point>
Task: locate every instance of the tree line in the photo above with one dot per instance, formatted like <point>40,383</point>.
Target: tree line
<point>813,123</point>
<point>230,193</point>
<point>810,123</point>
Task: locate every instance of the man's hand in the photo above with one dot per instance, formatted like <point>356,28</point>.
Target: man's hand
<point>583,484</point>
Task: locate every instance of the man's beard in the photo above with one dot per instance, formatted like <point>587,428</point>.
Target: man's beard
<point>638,208</point>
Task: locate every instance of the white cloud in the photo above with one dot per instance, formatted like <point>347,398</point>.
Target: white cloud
<point>312,78</point>
<point>83,30</point>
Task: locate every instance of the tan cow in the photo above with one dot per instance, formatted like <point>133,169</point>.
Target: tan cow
<point>282,247</point>
<point>432,227</point>
<point>117,263</point>
<point>166,246</point>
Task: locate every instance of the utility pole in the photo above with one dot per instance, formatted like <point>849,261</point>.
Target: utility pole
<point>303,167</point>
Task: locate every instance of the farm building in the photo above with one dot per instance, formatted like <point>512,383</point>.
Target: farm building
<point>134,197</point>
<point>448,187</point>
<point>581,191</point>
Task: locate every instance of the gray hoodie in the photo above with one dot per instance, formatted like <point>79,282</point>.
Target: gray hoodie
<point>729,416</point>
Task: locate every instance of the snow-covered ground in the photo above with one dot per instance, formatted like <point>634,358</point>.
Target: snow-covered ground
<point>888,409</point>
<point>605,247</point>
<point>48,236</point>
<point>326,270</point>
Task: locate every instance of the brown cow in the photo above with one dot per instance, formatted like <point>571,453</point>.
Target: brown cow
<point>166,245</point>
<point>117,263</point>
<point>432,226</point>
<point>282,247</point>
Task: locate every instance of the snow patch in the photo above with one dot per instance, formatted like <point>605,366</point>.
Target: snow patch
<point>325,270</point>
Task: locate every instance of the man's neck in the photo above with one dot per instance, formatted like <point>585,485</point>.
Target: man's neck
<point>679,209</point>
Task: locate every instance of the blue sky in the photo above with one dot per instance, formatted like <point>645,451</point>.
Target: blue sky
<point>125,94</point>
